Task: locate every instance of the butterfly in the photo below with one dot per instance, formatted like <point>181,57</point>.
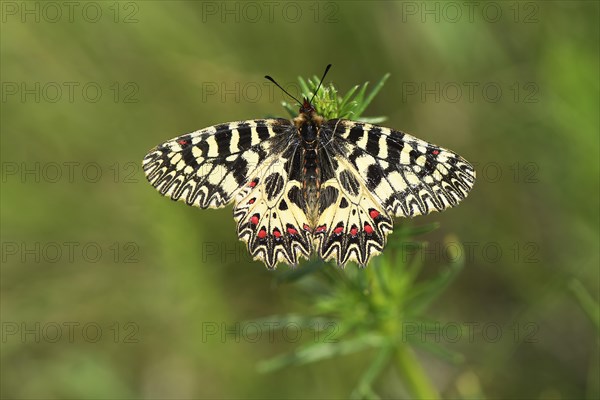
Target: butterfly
<point>309,184</point>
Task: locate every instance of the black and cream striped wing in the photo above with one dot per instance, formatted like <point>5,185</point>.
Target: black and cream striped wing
<point>352,224</point>
<point>271,211</point>
<point>208,167</point>
<point>407,175</point>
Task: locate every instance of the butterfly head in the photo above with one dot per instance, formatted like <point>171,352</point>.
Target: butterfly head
<point>308,117</point>
<point>307,111</point>
<point>307,108</point>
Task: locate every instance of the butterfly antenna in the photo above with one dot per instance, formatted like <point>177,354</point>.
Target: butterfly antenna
<point>284,91</point>
<point>322,79</point>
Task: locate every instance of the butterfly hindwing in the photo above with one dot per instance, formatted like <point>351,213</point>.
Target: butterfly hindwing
<point>352,224</point>
<point>408,175</point>
<point>207,167</point>
<point>271,213</point>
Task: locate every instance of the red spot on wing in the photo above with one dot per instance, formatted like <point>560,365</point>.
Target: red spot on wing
<point>183,142</point>
<point>292,231</point>
<point>368,229</point>
<point>435,152</point>
<point>306,227</point>
<point>251,201</point>
<point>373,213</point>
<point>262,233</point>
<point>321,228</point>
<point>276,233</point>
<point>354,231</point>
<point>253,183</point>
<point>254,219</point>
<point>338,230</point>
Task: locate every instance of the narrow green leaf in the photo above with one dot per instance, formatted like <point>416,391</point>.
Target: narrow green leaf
<point>290,109</point>
<point>375,91</point>
<point>291,275</point>
<point>586,302</point>
<point>382,277</point>
<point>359,98</point>
<point>321,351</point>
<point>348,95</point>
<point>415,378</point>
<point>364,388</point>
<point>304,87</point>
<point>435,348</point>
<point>422,295</point>
<point>422,229</point>
<point>278,322</point>
<point>372,120</point>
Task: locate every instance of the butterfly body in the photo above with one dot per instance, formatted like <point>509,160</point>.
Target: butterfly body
<point>308,126</point>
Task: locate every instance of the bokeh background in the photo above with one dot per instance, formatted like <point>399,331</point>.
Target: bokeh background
<point>108,288</point>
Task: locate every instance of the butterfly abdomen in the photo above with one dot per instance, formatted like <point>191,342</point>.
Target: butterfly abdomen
<point>311,182</point>
<point>308,128</point>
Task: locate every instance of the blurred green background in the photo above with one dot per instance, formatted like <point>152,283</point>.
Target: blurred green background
<point>88,88</point>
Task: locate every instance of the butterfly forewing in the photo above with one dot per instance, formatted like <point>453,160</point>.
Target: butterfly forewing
<point>407,175</point>
<point>208,167</point>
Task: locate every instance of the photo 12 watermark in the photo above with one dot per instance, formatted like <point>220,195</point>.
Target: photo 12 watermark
<point>69,92</point>
<point>246,92</point>
<point>253,12</point>
<point>517,172</point>
<point>485,252</point>
<point>69,252</point>
<point>70,172</point>
<point>453,12</point>
<point>70,332</point>
<point>469,332</point>
<point>269,332</point>
<point>53,12</point>
<point>470,92</point>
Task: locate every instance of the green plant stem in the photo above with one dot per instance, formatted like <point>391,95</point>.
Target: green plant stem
<point>415,378</point>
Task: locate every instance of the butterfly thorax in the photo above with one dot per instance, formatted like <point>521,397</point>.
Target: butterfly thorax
<point>308,124</point>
